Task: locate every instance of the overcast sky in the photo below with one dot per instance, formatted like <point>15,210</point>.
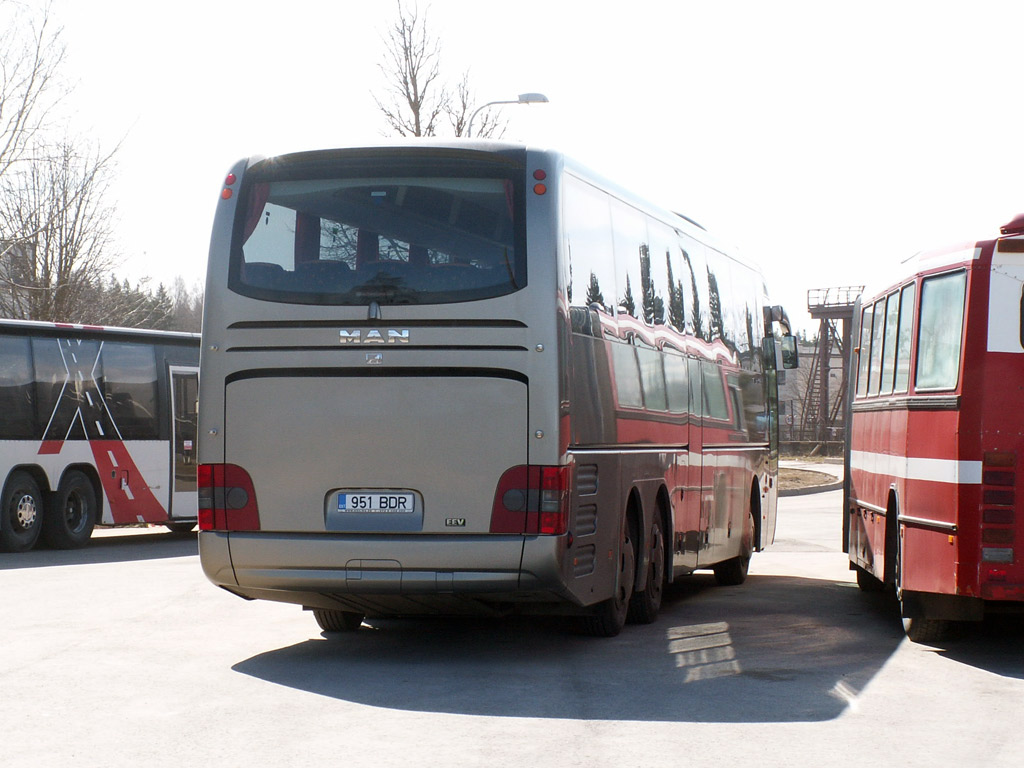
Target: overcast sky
<point>828,141</point>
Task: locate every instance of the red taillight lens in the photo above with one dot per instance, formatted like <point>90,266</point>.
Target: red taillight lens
<point>227,500</point>
<point>532,499</point>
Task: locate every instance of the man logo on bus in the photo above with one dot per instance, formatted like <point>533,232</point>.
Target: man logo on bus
<point>390,336</point>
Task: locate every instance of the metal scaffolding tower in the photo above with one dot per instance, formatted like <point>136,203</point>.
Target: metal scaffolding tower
<point>822,410</point>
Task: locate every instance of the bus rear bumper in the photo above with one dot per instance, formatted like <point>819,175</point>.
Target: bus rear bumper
<point>388,575</point>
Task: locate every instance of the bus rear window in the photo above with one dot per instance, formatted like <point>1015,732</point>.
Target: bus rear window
<point>387,239</point>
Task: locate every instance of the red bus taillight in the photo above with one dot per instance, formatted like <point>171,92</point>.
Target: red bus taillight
<point>227,500</point>
<point>532,499</point>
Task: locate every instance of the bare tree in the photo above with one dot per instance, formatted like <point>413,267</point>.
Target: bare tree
<point>31,54</point>
<point>58,229</point>
<point>460,110</point>
<point>417,95</point>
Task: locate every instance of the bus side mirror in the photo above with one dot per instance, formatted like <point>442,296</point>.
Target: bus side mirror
<point>790,356</point>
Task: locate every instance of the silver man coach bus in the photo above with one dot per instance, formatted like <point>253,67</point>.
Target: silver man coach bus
<point>476,378</point>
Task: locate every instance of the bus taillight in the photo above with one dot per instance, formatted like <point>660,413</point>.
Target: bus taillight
<point>227,500</point>
<point>532,499</point>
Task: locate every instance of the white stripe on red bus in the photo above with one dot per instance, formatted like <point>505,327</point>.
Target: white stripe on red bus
<point>913,468</point>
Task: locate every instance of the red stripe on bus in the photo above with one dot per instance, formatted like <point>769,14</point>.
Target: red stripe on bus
<point>131,500</point>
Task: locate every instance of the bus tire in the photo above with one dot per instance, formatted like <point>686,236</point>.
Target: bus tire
<point>331,620</point>
<point>732,573</point>
<point>22,519</point>
<point>71,515</point>
<point>922,630</point>
<point>644,606</point>
<point>609,616</point>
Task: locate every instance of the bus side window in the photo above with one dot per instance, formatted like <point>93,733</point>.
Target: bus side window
<point>17,400</point>
<point>889,349</point>
<point>866,317</point>
<point>877,332</point>
<point>941,331</point>
<point>904,337</point>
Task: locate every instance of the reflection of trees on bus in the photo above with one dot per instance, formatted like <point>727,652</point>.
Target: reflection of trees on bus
<point>676,306</point>
<point>653,305</point>
<point>594,294</point>
<point>717,329</point>
<point>628,305</point>
<point>696,319</point>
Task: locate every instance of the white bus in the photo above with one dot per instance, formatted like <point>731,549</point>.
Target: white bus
<point>473,377</point>
<point>97,425</point>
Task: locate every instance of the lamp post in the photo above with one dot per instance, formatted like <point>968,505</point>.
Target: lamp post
<point>524,98</point>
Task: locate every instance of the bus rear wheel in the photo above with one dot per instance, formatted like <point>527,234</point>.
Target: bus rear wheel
<point>644,606</point>
<point>609,616</point>
<point>337,621</point>
<point>22,519</point>
<point>71,516</point>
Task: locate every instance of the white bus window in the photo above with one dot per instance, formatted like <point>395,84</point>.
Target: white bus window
<point>941,331</point>
<point>866,318</point>
<point>876,347</point>
<point>695,286</point>
<point>892,305</point>
<point>588,232</point>
<point>905,337</point>
<point>629,230</point>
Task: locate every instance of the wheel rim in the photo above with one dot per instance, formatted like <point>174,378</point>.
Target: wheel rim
<point>25,511</point>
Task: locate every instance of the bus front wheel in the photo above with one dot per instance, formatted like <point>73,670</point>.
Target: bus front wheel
<point>22,512</point>
<point>733,572</point>
<point>71,516</point>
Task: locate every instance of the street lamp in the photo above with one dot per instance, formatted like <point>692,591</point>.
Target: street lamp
<point>524,98</point>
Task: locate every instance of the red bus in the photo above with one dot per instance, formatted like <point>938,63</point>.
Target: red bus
<point>97,426</point>
<point>935,436</point>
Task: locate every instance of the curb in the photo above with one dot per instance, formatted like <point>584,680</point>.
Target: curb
<point>836,486</point>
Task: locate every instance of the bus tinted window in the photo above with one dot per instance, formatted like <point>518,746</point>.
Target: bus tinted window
<point>905,337</point>
<point>129,389</point>
<point>393,240</point>
<point>938,343</point>
<point>17,399</point>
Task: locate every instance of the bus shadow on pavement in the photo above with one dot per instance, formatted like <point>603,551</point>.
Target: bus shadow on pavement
<point>778,649</point>
<point>108,548</point>
<point>992,645</point>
